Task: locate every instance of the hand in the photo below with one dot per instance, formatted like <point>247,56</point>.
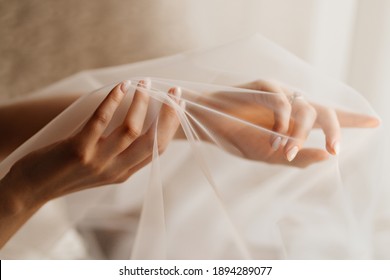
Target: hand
<point>279,111</point>
<point>89,159</point>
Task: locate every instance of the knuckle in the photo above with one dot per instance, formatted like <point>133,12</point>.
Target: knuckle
<point>281,103</point>
<point>306,111</point>
<point>328,112</point>
<point>84,157</point>
<point>270,85</point>
<point>107,176</point>
<point>131,131</point>
<point>116,96</point>
<point>78,152</point>
<point>280,126</point>
<point>259,83</point>
<point>101,117</point>
<point>312,112</point>
<point>96,168</point>
<point>121,179</point>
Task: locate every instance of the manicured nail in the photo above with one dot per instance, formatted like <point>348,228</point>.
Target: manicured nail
<point>182,104</point>
<point>284,141</point>
<point>147,83</point>
<point>177,93</point>
<point>276,143</point>
<point>125,86</point>
<point>336,147</point>
<point>292,153</point>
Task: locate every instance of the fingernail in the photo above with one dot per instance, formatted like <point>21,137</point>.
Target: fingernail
<point>292,153</point>
<point>276,143</point>
<point>177,93</point>
<point>148,83</point>
<point>125,86</point>
<point>182,104</point>
<point>336,147</point>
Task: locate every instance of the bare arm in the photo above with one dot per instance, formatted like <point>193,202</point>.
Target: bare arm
<point>279,114</point>
<point>22,119</point>
<point>89,160</point>
<point>86,160</point>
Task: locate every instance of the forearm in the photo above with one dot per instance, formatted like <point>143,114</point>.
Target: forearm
<point>14,212</point>
<point>22,119</point>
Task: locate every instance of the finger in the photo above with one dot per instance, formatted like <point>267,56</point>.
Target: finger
<point>168,121</point>
<point>132,125</point>
<point>328,121</point>
<point>282,114</point>
<point>280,106</point>
<point>304,116</point>
<point>349,119</point>
<point>308,157</point>
<point>142,148</point>
<point>102,116</point>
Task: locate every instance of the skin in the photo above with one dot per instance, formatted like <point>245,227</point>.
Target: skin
<point>275,112</point>
<point>88,159</point>
<point>85,160</point>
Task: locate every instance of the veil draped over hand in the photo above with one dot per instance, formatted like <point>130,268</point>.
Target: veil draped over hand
<point>223,192</point>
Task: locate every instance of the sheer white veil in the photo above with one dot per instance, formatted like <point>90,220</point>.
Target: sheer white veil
<point>203,200</point>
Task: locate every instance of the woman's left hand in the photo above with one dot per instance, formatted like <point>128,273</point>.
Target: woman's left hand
<point>283,112</point>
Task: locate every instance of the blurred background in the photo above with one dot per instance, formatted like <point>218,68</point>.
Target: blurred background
<point>42,41</point>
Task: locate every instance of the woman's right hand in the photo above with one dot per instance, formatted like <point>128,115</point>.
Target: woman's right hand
<point>88,159</point>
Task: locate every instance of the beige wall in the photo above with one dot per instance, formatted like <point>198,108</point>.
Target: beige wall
<point>43,41</point>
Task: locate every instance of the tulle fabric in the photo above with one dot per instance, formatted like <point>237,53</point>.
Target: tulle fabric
<point>202,199</point>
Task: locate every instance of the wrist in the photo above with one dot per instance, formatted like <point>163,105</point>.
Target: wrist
<point>15,198</point>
